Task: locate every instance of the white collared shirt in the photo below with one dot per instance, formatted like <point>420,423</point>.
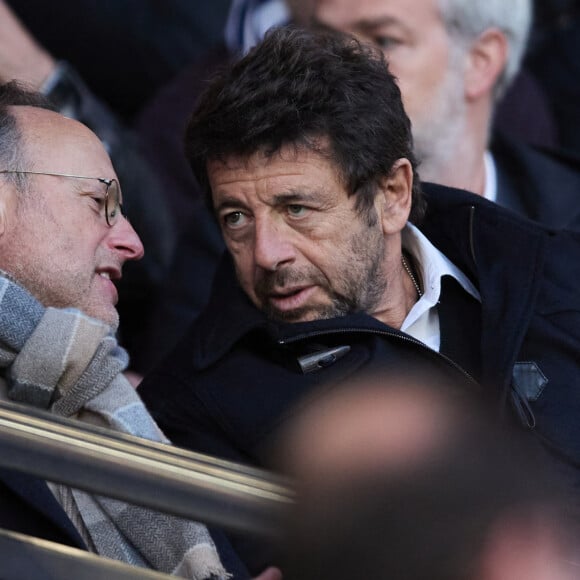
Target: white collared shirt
<point>422,321</point>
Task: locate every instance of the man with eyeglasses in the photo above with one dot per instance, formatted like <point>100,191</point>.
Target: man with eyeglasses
<point>63,243</point>
<point>63,235</point>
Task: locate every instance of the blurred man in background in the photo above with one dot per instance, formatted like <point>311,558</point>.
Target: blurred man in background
<point>404,477</point>
<point>454,60</point>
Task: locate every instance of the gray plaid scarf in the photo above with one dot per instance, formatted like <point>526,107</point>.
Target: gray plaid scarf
<point>67,362</point>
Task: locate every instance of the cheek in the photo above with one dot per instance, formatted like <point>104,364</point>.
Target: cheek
<point>414,88</point>
<point>419,71</point>
<point>244,265</point>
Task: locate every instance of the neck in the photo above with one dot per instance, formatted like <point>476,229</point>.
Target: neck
<point>402,293</point>
<point>467,171</point>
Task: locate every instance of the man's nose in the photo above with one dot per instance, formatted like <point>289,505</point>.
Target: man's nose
<point>272,245</point>
<point>123,239</point>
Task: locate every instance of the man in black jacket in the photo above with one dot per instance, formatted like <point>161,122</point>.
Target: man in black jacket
<point>305,152</point>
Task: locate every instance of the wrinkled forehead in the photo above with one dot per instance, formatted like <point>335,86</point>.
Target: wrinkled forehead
<point>290,161</point>
<point>53,143</point>
<point>310,149</point>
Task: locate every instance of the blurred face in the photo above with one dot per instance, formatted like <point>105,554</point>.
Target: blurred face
<point>415,42</point>
<point>302,250</point>
<point>55,240</point>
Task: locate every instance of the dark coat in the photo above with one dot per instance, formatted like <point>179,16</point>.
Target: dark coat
<point>28,506</point>
<point>539,184</point>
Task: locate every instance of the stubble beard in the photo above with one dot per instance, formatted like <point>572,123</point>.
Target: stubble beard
<point>438,134</point>
<point>361,288</point>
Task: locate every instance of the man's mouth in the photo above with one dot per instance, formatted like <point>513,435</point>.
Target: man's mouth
<point>110,273</point>
<point>291,299</point>
<point>109,276</point>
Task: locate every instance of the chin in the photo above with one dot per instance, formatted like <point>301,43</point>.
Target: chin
<point>112,321</point>
<point>109,316</point>
<point>305,314</point>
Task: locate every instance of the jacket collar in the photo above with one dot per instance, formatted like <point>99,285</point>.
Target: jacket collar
<point>230,316</point>
<point>472,232</point>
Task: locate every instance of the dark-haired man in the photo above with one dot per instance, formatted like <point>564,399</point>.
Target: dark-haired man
<point>305,152</point>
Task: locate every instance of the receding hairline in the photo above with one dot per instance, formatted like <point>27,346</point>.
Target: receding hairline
<point>38,125</point>
<point>24,112</point>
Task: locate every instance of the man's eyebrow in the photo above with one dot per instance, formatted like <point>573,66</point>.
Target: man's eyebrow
<point>371,24</point>
<point>229,202</point>
<point>295,196</point>
<point>367,24</point>
<point>288,197</point>
<point>85,187</point>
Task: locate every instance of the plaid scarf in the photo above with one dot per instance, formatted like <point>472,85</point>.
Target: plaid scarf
<point>67,362</point>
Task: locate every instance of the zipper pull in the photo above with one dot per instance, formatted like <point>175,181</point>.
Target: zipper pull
<point>313,362</point>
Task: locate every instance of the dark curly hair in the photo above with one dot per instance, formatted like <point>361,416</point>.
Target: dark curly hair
<point>317,89</point>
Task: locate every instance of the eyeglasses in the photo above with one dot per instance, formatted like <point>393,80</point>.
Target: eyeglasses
<point>112,206</point>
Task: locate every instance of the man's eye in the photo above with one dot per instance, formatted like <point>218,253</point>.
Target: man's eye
<point>99,201</point>
<point>234,219</point>
<point>296,210</point>
<point>386,42</point>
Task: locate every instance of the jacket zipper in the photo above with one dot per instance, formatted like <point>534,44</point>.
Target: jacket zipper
<point>404,338</point>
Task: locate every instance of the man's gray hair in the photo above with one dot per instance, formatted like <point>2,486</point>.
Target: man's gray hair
<point>465,20</point>
<point>11,155</point>
<point>12,94</point>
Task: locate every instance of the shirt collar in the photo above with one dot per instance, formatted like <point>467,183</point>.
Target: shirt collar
<point>431,265</point>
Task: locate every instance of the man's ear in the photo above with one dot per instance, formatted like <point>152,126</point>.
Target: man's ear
<point>395,197</point>
<point>486,61</point>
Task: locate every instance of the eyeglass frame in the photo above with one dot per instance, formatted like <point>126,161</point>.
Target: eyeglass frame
<point>107,182</point>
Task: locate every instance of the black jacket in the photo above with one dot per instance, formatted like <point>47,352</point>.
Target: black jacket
<point>28,506</point>
<point>539,184</point>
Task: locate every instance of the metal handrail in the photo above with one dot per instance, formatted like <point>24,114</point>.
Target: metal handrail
<point>143,472</point>
<point>36,559</point>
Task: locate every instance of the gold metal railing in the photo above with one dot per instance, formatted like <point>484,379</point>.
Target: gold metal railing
<point>158,476</point>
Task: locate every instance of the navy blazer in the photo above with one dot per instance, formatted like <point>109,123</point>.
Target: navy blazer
<point>539,184</point>
<point>28,506</point>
